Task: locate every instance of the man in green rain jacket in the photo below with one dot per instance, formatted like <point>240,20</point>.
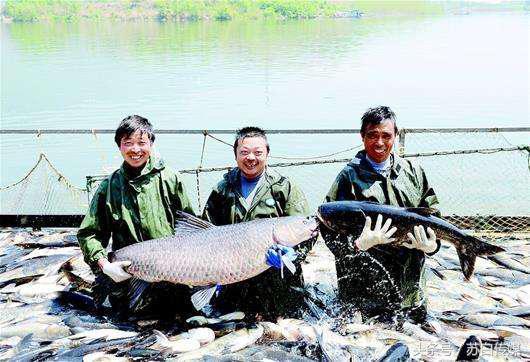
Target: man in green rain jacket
<point>252,191</point>
<point>135,203</point>
<point>376,174</point>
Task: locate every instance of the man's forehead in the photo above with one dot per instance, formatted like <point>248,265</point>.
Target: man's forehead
<point>136,135</point>
<point>385,126</point>
<point>252,142</point>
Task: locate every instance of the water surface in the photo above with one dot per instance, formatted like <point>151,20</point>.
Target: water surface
<point>443,71</point>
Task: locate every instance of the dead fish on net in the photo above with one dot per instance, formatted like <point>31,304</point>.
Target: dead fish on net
<point>24,346</point>
<point>201,320</point>
<point>35,291</point>
<point>517,311</point>
<point>13,312</point>
<point>41,331</point>
<point>264,353</point>
<point>78,272</point>
<point>180,345</point>
<point>10,253</point>
<point>99,345</point>
<point>348,218</point>
<point>28,270</point>
<point>229,343</point>
<point>510,263</point>
<point>37,253</point>
<point>201,254</point>
<point>90,323</point>
<point>398,352</point>
<point>492,320</point>
<point>508,277</point>
<point>331,350</point>
<point>54,240</point>
<point>106,334</point>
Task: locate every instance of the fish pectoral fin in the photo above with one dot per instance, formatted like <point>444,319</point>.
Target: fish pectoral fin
<point>137,287</point>
<point>202,297</point>
<point>425,211</point>
<point>288,264</point>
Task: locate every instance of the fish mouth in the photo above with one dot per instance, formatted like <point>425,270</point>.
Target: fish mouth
<point>323,221</point>
<point>316,230</point>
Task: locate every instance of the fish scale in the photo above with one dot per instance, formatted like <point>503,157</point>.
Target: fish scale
<point>214,255</point>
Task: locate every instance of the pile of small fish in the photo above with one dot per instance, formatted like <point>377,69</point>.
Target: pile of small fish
<point>46,313</point>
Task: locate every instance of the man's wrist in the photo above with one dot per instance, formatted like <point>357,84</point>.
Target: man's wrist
<point>438,245</point>
<point>101,262</point>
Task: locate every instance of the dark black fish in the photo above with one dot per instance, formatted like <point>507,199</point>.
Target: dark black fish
<point>470,350</point>
<point>78,301</point>
<point>348,217</point>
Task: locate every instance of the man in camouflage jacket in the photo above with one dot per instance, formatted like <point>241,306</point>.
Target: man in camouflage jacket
<point>252,191</point>
<point>378,175</point>
<point>137,202</point>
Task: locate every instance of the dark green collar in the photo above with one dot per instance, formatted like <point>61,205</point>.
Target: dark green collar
<point>152,165</point>
<point>360,161</point>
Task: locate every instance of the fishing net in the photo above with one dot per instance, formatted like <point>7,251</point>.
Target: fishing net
<point>43,191</point>
<point>482,179</point>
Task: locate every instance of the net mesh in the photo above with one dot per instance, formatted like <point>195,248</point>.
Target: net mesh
<point>43,191</point>
<point>482,179</point>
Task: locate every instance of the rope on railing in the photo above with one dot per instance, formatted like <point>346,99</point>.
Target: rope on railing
<point>269,131</point>
<point>342,160</point>
<point>43,158</point>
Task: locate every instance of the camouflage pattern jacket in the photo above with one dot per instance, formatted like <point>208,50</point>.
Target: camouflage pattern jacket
<point>406,185</point>
<point>266,295</point>
<point>131,209</point>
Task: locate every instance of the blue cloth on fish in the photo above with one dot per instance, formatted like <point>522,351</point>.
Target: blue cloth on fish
<point>275,253</point>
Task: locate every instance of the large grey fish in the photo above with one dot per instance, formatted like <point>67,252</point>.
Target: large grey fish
<point>347,218</point>
<point>201,254</point>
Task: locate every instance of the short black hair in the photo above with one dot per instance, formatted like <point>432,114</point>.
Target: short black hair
<point>247,132</point>
<point>131,124</point>
<point>377,115</point>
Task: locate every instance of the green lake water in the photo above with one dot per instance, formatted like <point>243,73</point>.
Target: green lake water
<point>444,71</point>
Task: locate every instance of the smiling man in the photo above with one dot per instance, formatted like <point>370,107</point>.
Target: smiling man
<point>253,191</point>
<point>377,174</point>
<point>137,202</point>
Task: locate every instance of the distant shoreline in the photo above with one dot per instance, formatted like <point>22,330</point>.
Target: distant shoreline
<point>32,11</point>
<point>173,10</point>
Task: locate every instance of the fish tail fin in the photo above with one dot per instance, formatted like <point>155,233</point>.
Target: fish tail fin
<point>468,252</point>
<point>467,263</point>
